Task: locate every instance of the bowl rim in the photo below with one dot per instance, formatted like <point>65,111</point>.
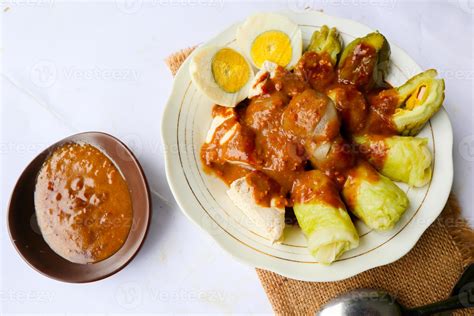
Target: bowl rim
<point>141,173</point>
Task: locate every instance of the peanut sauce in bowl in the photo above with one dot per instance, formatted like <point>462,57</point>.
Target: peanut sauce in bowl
<point>83,204</point>
<point>81,209</point>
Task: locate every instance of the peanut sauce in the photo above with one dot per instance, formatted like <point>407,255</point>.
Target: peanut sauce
<point>308,188</point>
<point>266,190</point>
<point>352,107</point>
<point>317,70</point>
<point>362,170</point>
<point>376,150</point>
<point>358,68</point>
<point>382,107</point>
<point>83,204</point>
<point>273,129</point>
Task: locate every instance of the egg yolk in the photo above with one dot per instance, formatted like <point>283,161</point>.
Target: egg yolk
<point>274,46</point>
<point>230,70</point>
<point>418,97</point>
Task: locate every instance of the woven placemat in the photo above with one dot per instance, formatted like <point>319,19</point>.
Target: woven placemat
<point>426,274</point>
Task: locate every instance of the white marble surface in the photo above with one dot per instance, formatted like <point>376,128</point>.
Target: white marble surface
<point>98,65</point>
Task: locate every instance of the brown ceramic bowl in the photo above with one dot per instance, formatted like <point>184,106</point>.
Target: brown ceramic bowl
<point>25,233</point>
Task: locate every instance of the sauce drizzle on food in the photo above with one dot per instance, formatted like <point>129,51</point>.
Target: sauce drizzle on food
<point>282,132</point>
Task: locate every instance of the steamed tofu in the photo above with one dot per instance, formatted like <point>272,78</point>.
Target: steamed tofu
<point>218,120</point>
<point>267,72</point>
<point>235,142</point>
<point>271,219</point>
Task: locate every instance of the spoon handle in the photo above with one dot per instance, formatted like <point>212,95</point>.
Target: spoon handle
<point>463,300</point>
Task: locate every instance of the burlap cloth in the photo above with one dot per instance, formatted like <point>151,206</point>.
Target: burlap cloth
<point>426,274</point>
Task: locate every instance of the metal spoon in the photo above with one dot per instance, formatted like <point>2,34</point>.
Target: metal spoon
<point>377,302</point>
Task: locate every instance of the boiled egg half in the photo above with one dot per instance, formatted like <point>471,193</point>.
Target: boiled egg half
<point>222,74</point>
<point>270,37</point>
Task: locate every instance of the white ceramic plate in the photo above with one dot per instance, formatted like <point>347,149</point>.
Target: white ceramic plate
<point>203,197</point>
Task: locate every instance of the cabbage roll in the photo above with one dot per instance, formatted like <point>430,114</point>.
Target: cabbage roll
<point>373,198</point>
<point>322,216</point>
<point>418,100</point>
<point>406,159</point>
